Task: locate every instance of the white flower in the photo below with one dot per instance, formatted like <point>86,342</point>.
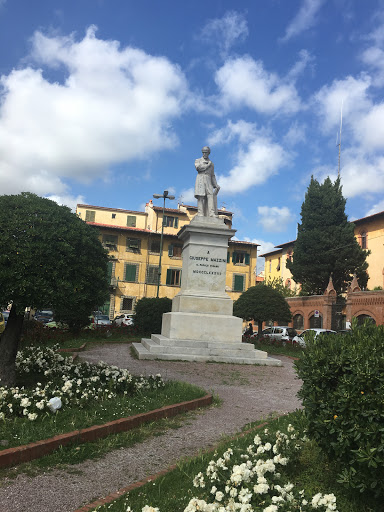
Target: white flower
<point>219,496</point>
<point>271,508</point>
<point>32,416</point>
<point>25,402</point>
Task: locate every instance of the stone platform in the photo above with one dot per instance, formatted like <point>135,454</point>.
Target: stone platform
<point>160,347</point>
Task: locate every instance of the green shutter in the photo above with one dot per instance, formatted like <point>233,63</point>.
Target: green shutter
<point>246,260</point>
<point>90,215</point>
<point>170,250</point>
<point>238,285</point>
<point>169,276</point>
<point>164,220</point>
<point>130,273</point>
<point>228,257</point>
<point>234,257</point>
<point>131,221</point>
<point>110,267</point>
<point>176,222</point>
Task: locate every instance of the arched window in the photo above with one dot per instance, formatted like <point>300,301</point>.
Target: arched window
<point>361,319</point>
<point>316,322</point>
<point>298,322</point>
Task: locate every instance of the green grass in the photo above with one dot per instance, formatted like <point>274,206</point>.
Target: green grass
<point>287,350</point>
<point>314,473</point>
<point>20,431</point>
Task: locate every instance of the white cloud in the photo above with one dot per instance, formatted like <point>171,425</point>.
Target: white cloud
<point>243,82</point>
<point>225,32</point>
<point>187,196</point>
<point>68,200</point>
<point>304,19</point>
<point>376,208</point>
<point>295,134</point>
<point>373,57</point>
<point>242,130</point>
<point>103,113</point>
<point>361,174</point>
<point>274,219</point>
<point>369,129</point>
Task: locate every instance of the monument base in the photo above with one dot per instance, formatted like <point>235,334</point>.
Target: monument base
<point>161,347</point>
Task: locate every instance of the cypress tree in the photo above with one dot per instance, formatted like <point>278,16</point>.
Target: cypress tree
<point>326,244</point>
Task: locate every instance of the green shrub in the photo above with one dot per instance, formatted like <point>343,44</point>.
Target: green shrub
<point>149,314</point>
<point>343,396</point>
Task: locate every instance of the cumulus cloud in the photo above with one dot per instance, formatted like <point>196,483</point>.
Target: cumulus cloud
<point>376,208</point>
<point>305,19</point>
<point>295,134</point>
<point>224,32</point>
<point>68,200</point>
<point>243,82</point>
<point>101,115</point>
<point>274,219</point>
<point>263,248</point>
<point>254,162</point>
<point>187,196</point>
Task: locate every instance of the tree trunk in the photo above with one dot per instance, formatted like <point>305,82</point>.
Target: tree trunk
<point>259,329</point>
<point>9,343</point>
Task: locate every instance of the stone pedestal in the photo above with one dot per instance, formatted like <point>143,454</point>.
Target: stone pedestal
<point>201,325</point>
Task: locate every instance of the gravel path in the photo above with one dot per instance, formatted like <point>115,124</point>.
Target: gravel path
<point>248,393</point>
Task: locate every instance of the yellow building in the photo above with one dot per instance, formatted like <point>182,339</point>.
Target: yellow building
<point>133,241</point>
<point>369,232</point>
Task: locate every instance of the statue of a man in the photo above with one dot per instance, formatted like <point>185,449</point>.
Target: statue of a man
<point>206,187</point>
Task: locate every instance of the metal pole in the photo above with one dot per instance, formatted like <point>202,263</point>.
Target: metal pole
<point>161,251</point>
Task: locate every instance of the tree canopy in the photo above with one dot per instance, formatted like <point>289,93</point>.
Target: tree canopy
<point>326,244</point>
<point>49,258</point>
<point>262,304</point>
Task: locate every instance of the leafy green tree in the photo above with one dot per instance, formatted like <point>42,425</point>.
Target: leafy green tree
<point>278,284</point>
<point>326,243</point>
<point>49,258</point>
<point>149,313</point>
<point>261,304</point>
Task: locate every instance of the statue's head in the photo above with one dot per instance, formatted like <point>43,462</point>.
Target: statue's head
<point>206,149</point>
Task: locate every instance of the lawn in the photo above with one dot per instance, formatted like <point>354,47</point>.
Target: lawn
<point>306,474</point>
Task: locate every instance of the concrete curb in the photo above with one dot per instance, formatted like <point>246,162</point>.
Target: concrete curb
<point>25,453</point>
<point>135,485</point>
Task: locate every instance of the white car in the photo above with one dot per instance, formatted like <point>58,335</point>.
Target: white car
<point>281,333</point>
<point>123,319</point>
<point>300,338</point>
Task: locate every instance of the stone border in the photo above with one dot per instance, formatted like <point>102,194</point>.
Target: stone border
<point>70,350</point>
<point>112,497</point>
<point>25,453</point>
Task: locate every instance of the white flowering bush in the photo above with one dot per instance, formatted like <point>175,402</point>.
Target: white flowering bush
<point>254,480</point>
<point>74,384</point>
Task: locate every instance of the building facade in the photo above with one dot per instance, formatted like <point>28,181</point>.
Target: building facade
<point>133,241</point>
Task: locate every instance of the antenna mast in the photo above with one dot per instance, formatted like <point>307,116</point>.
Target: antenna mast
<point>339,144</point>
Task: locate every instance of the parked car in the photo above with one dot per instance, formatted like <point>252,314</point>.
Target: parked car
<point>44,316</point>
<point>5,316</point>
<point>281,333</point>
<point>123,319</point>
<point>2,323</point>
<point>301,338</point>
<point>100,320</point>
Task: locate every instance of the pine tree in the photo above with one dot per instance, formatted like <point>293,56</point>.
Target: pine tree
<point>326,244</point>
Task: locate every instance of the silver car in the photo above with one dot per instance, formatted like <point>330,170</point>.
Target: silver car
<point>281,333</point>
<point>300,338</point>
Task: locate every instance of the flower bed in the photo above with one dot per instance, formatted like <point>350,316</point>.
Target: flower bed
<point>74,384</point>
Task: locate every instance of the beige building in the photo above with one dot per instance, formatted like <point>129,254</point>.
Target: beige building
<point>369,232</point>
<point>133,240</point>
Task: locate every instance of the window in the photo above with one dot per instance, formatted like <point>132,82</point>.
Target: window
<point>127,303</point>
<point>278,265</point>
<point>240,258</point>
<point>363,240</point>
<point>110,241</point>
<point>90,215</point>
<point>152,275</point>
<point>133,245</point>
<point>228,256</point>
<point>298,321</point>
<point>170,222</point>
<point>113,215</point>
<point>131,272</point>
<point>173,277</point>
<point>289,255</point>
<point>154,246</point>
<point>175,250</point>
<point>270,265</point>
<point>238,283</point>
<point>131,221</point>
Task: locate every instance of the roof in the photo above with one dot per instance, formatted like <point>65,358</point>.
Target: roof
<point>370,217</point>
<point>241,242</point>
<point>109,209</point>
<point>270,253</point>
<point>286,244</point>
<point>173,210</point>
<point>127,228</point>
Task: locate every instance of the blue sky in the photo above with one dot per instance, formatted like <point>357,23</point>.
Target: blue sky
<point>108,102</point>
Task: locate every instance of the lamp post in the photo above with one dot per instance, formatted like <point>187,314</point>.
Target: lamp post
<point>165,196</point>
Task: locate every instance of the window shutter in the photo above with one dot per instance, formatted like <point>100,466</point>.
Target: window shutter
<point>170,250</point>
<point>228,257</point>
<point>131,221</point>
<point>90,216</point>
<point>176,222</point>
<point>169,276</point>
<point>110,267</point>
<point>130,273</point>
<point>238,283</point>
<point>246,260</point>
<point>165,220</point>
<point>234,257</point>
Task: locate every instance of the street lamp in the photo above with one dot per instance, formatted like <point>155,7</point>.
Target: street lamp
<point>164,196</point>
